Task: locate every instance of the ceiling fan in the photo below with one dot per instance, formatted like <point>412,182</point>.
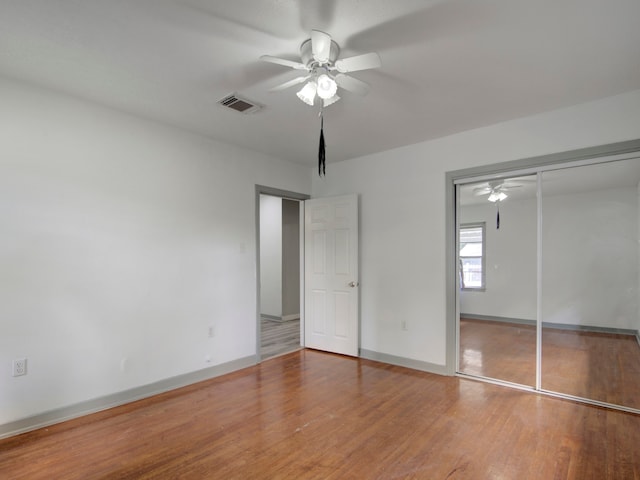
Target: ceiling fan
<point>497,192</point>
<point>497,189</point>
<point>324,71</point>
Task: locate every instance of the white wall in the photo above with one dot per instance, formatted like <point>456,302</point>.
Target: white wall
<point>590,258</point>
<point>290,259</point>
<point>271,255</point>
<point>402,214</point>
<point>510,256</point>
<point>118,249</point>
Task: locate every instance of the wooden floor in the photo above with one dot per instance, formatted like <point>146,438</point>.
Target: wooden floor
<point>278,337</point>
<point>599,366</point>
<point>313,415</point>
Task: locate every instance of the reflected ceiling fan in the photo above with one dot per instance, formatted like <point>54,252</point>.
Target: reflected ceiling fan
<point>497,190</point>
<point>324,71</point>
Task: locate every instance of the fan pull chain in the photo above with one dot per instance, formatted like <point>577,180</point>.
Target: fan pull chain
<point>498,216</point>
<point>321,152</point>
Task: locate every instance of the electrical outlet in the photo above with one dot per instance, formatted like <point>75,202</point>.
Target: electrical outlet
<point>19,367</point>
<point>212,331</point>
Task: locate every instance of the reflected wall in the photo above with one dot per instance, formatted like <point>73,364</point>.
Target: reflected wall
<point>590,282</point>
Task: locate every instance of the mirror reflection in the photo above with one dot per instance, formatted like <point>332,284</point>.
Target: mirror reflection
<point>590,283</point>
<point>497,250</point>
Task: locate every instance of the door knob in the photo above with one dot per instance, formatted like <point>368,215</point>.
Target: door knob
<point>353,284</point>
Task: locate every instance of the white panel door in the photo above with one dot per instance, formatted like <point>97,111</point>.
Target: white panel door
<point>331,274</point>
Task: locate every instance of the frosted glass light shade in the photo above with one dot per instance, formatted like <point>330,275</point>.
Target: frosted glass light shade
<point>330,101</point>
<point>308,93</point>
<point>497,197</point>
<point>327,86</point>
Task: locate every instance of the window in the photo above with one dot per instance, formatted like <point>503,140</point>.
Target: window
<point>472,256</point>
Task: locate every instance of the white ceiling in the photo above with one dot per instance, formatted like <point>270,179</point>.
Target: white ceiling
<point>447,66</point>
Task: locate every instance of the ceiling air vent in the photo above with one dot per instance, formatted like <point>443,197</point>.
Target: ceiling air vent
<point>239,104</point>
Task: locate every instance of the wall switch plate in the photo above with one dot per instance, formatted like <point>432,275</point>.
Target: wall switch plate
<point>212,331</point>
<point>19,367</point>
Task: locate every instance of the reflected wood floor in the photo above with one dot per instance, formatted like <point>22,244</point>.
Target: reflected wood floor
<point>505,351</point>
<point>278,337</point>
<point>314,415</point>
<point>600,366</point>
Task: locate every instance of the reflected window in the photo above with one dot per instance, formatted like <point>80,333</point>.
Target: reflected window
<point>471,255</point>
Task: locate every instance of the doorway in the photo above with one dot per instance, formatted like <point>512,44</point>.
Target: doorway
<point>279,272</point>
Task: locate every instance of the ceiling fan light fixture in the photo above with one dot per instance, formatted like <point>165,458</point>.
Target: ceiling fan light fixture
<point>497,196</point>
<point>308,93</point>
<point>330,101</point>
<point>327,86</point>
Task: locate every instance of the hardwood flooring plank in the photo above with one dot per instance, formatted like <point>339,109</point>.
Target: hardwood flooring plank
<point>500,350</point>
<point>594,365</point>
<point>314,415</point>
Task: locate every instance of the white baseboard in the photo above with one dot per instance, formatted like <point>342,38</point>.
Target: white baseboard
<point>404,362</point>
<point>109,401</point>
<point>558,326</point>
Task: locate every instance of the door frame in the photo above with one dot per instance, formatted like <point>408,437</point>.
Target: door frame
<point>289,195</point>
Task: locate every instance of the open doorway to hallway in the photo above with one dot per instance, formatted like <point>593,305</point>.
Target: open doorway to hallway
<point>279,292</point>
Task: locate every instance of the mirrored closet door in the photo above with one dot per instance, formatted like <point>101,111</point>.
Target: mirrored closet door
<point>497,272</point>
<point>590,271</point>
<point>549,279</point>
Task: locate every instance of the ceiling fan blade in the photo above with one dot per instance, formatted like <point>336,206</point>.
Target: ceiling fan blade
<point>289,84</point>
<point>481,191</point>
<point>284,62</point>
<point>320,46</point>
<point>359,62</point>
<point>352,84</point>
